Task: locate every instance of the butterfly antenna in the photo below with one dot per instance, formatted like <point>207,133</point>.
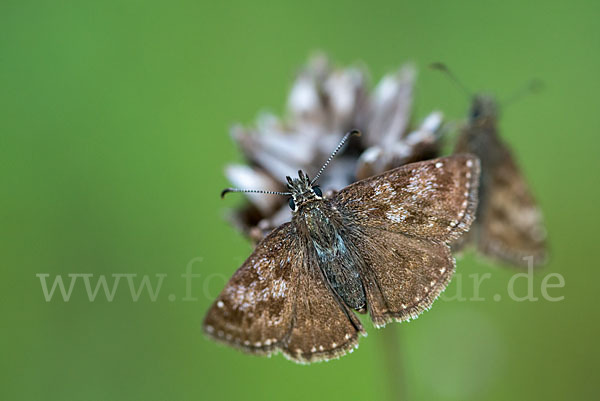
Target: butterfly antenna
<point>254,191</point>
<point>443,68</point>
<point>337,149</point>
<point>533,86</point>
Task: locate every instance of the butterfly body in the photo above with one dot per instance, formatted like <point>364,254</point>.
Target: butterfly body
<point>331,245</point>
<point>379,246</point>
<point>325,229</point>
<point>480,137</point>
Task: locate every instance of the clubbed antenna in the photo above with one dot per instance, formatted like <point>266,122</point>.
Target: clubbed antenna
<point>254,191</point>
<point>337,149</point>
<point>443,68</point>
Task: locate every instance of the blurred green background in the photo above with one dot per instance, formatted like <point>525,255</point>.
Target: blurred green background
<point>114,121</point>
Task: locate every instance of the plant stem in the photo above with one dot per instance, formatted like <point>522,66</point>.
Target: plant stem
<point>392,359</point>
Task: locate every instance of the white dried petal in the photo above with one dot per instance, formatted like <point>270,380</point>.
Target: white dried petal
<point>323,104</point>
<point>344,91</point>
<point>304,97</point>
<point>391,107</point>
<point>428,131</point>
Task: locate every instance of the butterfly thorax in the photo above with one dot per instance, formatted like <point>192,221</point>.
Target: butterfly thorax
<point>477,138</point>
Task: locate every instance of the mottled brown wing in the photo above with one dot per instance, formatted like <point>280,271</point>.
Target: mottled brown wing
<point>278,302</point>
<point>254,311</point>
<point>404,274</point>
<point>510,225</point>
<point>405,218</point>
<point>434,199</point>
<point>324,328</point>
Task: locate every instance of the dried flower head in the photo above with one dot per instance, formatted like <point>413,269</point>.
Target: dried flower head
<point>323,104</point>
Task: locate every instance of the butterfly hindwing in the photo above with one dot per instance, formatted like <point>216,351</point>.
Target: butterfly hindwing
<point>324,328</point>
<point>510,222</point>
<point>405,274</point>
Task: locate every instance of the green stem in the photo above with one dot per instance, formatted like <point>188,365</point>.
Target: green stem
<point>392,359</point>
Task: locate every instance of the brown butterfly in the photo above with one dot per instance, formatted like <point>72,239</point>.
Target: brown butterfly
<point>509,222</point>
<point>509,225</point>
<point>379,245</point>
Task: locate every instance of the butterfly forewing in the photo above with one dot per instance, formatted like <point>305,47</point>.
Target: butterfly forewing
<point>434,199</point>
<point>254,310</point>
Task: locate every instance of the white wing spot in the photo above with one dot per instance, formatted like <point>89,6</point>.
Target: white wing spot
<point>469,163</point>
<point>210,329</point>
<point>333,345</point>
<point>321,348</point>
<point>397,214</point>
<point>403,306</point>
<point>258,344</point>
<point>313,349</point>
<point>439,164</point>
<point>220,304</point>
<point>442,270</point>
<point>347,336</point>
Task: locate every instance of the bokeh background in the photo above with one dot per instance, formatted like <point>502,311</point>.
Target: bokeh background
<point>114,119</point>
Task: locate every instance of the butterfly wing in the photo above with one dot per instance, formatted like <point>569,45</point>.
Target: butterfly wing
<point>510,225</point>
<point>254,310</point>
<point>277,301</point>
<point>406,217</point>
<point>434,199</point>
<point>404,275</point>
<point>323,326</point>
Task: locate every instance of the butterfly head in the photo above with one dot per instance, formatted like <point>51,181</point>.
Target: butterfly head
<point>483,108</point>
<point>302,191</point>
